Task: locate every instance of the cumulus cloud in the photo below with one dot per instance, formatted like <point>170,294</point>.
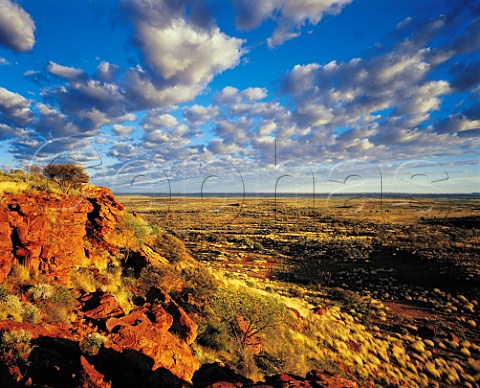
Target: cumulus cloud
<point>227,94</point>
<point>253,94</point>
<point>158,119</point>
<point>92,103</point>
<point>16,27</point>
<point>123,130</point>
<point>52,123</point>
<point>458,123</point>
<point>65,72</point>
<point>14,108</point>
<point>290,15</point>
<point>6,131</point>
<point>189,55</point>
<point>198,115</point>
<point>106,71</point>
<point>182,56</point>
<point>347,93</point>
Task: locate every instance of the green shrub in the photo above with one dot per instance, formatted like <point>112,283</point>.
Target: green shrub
<point>170,247</point>
<point>31,314</point>
<point>15,347</point>
<point>257,246</point>
<point>41,291</point>
<point>162,276</point>
<point>92,344</point>
<point>56,313</point>
<point>83,278</point>
<point>62,297</point>
<point>214,335</point>
<point>67,176</point>
<point>259,313</point>
<point>140,228</point>
<point>3,293</point>
<point>201,284</point>
<point>11,308</point>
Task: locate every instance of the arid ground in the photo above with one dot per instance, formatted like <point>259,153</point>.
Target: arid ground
<point>407,268</point>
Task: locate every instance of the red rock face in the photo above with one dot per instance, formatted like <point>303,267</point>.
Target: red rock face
<point>47,234</point>
<point>43,233</point>
<point>146,331</point>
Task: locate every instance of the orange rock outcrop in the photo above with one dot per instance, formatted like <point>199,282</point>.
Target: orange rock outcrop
<point>47,233</point>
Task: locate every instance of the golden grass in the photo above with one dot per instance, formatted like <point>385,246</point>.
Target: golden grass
<point>14,187</point>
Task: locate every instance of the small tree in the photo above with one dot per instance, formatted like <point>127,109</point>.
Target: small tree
<point>67,176</point>
<point>257,312</point>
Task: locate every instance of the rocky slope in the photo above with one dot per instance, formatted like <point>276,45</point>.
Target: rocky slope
<point>148,345</point>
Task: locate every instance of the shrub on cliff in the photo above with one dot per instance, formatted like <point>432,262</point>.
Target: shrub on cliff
<point>160,275</point>
<point>201,284</point>
<point>92,344</point>
<point>170,247</point>
<point>67,176</point>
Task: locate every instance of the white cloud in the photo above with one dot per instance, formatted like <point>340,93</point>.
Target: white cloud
<point>157,120</point>
<point>66,72</point>
<point>227,94</point>
<point>198,115</point>
<point>405,22</point>
<point>145,92</point>
<point>6,131</point>
<point>122,130</point>
<point>189,55</point>
<point>253,94</point>
<point>218,147</point>
<point>16,27</point>
<point>182,57</point>
<point>3,61</point>
<point>290,15</point>
<point>106,71</point>
<point>14,108</point>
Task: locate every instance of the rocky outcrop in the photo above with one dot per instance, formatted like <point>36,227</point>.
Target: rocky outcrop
<point>105,214</point>
<point>100,306</point>
<point>42,233</point>
<point>47,233</point>
<point>146,331</point>
<point>182,324</point>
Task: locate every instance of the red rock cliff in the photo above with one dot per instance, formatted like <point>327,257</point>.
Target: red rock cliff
<point>47,233</point>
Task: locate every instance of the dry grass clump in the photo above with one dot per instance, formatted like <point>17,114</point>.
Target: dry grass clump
<point>12,308</point>
<point>84,279</point>
<point>117,287</point>
<point>14,187</point>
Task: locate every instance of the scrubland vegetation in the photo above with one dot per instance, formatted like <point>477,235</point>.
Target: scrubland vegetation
<point>379,296</point>
<point>387,294</point>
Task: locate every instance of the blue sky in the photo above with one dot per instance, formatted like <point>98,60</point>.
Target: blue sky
<point>233,94</point>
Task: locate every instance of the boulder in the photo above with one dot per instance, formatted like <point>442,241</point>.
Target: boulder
<point>145,330</point>
<point>100,306</point>
<point>182,324</point>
